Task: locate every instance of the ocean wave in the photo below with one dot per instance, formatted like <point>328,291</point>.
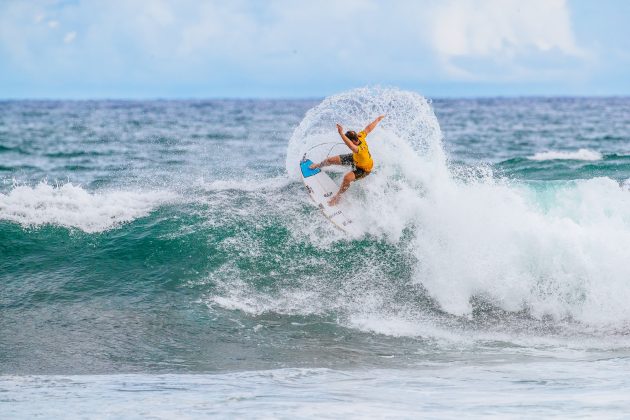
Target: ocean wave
<point>554,250</point>
<point>582,154</point>
<point>71,206</point>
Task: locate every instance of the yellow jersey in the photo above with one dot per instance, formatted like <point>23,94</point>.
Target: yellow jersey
<point>363,158</point>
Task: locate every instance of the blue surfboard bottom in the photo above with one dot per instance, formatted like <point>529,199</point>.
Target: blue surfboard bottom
<point>306,171</point>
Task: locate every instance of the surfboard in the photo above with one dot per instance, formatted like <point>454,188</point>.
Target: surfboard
<point>321,189</point>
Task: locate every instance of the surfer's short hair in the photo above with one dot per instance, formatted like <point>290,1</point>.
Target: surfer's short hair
<point>352,135</point>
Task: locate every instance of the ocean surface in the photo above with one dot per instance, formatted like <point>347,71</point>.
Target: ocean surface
<point>162,258</point>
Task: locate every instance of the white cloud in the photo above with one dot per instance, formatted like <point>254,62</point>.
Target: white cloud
<point>70,36</point>
<point>501,31</point>
<point>53,24</point>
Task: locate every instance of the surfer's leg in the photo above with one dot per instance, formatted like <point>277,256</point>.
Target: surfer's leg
<point>333,160</point>
<point>345,184</point>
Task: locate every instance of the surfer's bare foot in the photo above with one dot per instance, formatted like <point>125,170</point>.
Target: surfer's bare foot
<point>334,201</point>
<point>314,166</point>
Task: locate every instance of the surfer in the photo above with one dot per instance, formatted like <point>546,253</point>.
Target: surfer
<point>360,159</point>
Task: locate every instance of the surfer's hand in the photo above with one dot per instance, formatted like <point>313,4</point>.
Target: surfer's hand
<point>314,166</point>
<point>380,117</point>
<point>339,129</point>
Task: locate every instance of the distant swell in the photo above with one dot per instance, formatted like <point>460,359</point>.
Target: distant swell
<point>71,206</point>
<point>582,154</point>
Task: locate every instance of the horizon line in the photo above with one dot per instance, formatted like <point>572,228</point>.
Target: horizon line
<point>304,98</point>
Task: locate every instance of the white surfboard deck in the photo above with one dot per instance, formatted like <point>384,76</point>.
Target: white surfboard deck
<point>321,188</point>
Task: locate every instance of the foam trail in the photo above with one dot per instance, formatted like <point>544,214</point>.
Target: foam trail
<point>71,206</point>
<point>249,185</point>
<point>582,154</point>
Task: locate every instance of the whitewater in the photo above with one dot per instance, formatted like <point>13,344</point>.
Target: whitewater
<point>557,250</point>
<point>145,248</point>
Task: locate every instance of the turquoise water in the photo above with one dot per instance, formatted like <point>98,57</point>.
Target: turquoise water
<point>168,248</point>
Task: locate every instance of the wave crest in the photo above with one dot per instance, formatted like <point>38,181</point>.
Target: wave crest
<point>71,206</point>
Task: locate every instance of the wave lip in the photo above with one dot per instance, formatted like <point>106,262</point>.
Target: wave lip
<point>71,206</point>
<point>582,154</point>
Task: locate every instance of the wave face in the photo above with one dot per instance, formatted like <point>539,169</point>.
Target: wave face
<point>181,239</point>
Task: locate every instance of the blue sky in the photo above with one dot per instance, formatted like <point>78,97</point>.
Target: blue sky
<point>291,48</point>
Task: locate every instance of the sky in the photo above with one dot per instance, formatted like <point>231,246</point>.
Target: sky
<point>76,49</point>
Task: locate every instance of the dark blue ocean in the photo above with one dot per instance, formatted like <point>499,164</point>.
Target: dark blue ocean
<point>162,258</point>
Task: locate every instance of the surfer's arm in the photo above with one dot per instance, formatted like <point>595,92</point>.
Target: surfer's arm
<point>373,124</point>
<point>346,140</point>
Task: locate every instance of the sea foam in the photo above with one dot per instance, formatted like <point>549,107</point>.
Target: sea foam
<point>72,206</point>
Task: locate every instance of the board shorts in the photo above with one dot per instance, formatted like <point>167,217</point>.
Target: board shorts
<point>348,161</point>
